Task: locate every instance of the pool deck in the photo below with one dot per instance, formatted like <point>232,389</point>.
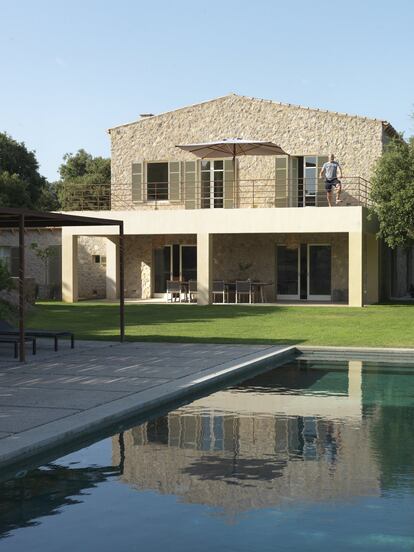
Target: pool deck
<point>57,398</point>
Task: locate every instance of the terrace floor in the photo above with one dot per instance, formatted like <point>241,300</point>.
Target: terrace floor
<point>55,398</point>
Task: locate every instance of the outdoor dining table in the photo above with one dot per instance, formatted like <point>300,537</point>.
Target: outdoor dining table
<point>254,286</point>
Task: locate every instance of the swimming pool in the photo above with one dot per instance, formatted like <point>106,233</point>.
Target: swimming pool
<point>310,455</point>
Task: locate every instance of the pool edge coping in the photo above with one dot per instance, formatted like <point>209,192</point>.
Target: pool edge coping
<point>44,439</point>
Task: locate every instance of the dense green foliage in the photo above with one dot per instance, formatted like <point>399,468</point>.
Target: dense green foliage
<point>373,326</point>
<point>21,184</point>
<point>393,193</point>
<point>84,182</point>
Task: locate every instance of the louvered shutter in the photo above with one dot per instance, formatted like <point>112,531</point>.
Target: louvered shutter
<point>174,179</point>
<point>294,182</point>
<point>136,188</point>
<point>229,184</point>
<point>190,184</point>
<point>281,181</point>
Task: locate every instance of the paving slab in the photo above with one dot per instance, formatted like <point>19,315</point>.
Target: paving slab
<point>16,419</point>
<point>60,397</point>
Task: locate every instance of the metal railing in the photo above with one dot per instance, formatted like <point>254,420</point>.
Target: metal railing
<point>252,193</point>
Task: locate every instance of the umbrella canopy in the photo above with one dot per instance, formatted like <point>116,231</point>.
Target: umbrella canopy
<point>232,147</point>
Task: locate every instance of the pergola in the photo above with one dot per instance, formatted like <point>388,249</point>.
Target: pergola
<point>24,218</point>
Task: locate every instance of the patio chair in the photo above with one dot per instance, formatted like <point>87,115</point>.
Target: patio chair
<point>7,330</point>
<point>192,290</point>
<point>243,288</point>
<point>15,340</point>
<point>173,291</point>
<point>220,289</point>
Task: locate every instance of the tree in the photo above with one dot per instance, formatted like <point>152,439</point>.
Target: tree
<point>392,193</point>
<point>84,182</point>
<point>21,184</point>
<point>44,254</point>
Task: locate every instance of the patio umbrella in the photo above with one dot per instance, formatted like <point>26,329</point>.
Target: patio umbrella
<point>232,147</point>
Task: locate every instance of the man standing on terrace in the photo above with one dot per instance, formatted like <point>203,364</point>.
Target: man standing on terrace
<point>330,172</point>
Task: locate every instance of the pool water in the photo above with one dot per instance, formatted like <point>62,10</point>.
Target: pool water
<point>308,456</point>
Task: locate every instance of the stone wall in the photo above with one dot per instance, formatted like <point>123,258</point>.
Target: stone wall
<point>34,266</point>
<point>139,261</point>
<point>356,141</point>
<point>91,275</point>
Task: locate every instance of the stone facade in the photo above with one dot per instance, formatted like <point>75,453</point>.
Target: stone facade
<point>238,257</point>
<point>356,141</point>
<point>139,261</point>
<point>92,274</point>
<point>34,266</point>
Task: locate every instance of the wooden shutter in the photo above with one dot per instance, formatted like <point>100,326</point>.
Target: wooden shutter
<point>136,182</point>
<point>281,181</point>
<point>229,184</point>
<point>190,184</point>
<point>294,182</point>
<point>174,180</point>
<point>321,200</point>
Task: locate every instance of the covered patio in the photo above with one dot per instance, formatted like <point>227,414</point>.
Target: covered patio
<point>22,219</point>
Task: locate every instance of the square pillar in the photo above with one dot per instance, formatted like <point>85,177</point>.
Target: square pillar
<point>204,268</point>
<point>112,268</point>
<point>355,269</point>
<point>372,276</point>
<point>69,268</point>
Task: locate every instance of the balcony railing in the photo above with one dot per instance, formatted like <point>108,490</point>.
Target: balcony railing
<point>255,193</point>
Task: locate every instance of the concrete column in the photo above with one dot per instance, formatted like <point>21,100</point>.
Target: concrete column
<point>69,268</point>
<point>355,269</point>
<point>372,269</point>
<point>112,268</point>
<point>204,268</point>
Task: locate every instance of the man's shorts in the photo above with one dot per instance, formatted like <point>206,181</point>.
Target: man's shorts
<point>329,184</point>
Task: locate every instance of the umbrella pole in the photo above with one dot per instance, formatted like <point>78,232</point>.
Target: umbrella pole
<point>234,173</point>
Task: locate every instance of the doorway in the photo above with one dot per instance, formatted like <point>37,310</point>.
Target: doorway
<point>173,262</point>
<point>304,272</point>
<point>212,184</point>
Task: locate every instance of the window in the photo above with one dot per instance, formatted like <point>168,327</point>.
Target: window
<point>157,181</point>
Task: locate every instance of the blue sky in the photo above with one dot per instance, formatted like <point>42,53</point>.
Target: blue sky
<point>70,70</point>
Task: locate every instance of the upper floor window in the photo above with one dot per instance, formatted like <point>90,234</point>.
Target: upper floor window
<point>157,181</point>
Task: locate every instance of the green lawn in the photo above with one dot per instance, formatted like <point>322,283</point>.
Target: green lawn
<point>374,326</point>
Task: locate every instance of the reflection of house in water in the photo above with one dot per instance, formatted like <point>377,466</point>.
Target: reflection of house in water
<point>254,447</point>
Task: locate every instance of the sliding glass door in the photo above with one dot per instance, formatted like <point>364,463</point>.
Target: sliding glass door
<point>319,272</point>
<point>173,262</point>
<point>288,272</point>
<point>304,272</point>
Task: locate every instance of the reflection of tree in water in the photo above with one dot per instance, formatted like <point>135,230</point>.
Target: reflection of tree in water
<point>43,492</point>
<point>233,471</point>
<point>393,441</point>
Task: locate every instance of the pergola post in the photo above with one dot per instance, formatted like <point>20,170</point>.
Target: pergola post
<point>21,289</point>
<point>121,284</point>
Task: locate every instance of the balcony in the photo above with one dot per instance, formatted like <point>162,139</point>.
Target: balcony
<point>242,194</point>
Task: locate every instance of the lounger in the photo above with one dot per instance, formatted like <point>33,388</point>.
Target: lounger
<point>7,330</point>
<point>15,340</point>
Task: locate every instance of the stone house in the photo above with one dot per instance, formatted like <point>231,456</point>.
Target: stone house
<point>261,217</point>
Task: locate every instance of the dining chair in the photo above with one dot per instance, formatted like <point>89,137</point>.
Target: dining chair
<point>243,288</point>
<point>219,288</point>
<point>173,291</point>
<point>192,291</point>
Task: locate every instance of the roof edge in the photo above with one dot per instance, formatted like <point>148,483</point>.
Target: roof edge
<point>387,126</point>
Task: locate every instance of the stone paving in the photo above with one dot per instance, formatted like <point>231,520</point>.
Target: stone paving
<point>54,394</point>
